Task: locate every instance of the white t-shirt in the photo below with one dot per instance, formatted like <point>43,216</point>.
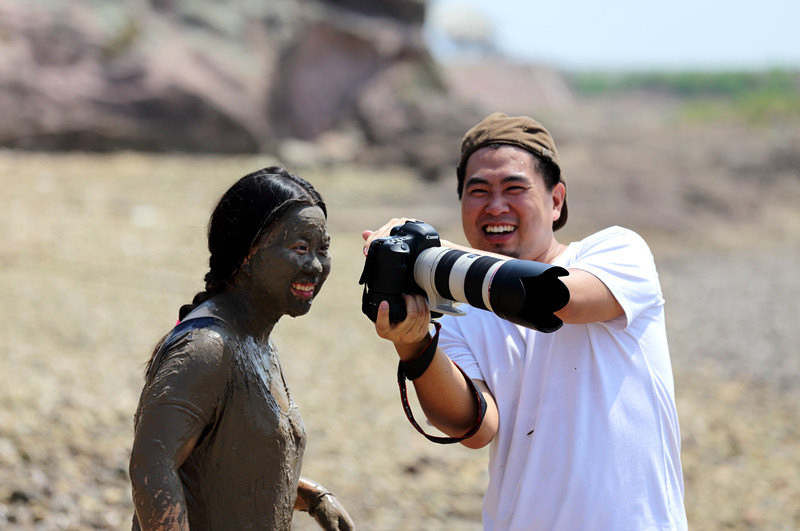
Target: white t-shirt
<point>588,435</point>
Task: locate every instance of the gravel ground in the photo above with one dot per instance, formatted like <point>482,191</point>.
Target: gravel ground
<point>98,252</point>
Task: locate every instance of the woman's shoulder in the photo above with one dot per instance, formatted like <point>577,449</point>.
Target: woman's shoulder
<point>206,326</point>
<point>194,344</point>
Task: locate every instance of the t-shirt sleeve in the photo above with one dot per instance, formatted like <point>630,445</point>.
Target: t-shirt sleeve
<point>621,259</point>
<point>453,342</point>
<point>184,393</point>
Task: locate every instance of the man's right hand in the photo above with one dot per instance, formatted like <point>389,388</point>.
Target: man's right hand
<point>449,403</point>
<point>409,336</point>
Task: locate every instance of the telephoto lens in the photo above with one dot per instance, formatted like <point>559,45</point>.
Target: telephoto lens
<point>412,260</point>
<point>520,291</point>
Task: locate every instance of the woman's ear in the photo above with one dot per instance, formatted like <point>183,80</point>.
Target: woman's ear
<point>245,267</point>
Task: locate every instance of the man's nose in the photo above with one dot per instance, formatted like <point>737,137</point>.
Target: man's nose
<point>496,205</point>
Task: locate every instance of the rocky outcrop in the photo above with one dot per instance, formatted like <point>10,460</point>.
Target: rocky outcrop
<point>199,75</point>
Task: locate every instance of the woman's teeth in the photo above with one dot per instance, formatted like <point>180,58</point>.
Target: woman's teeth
<point>305,288</point>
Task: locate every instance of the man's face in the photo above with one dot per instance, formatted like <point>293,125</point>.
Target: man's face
<point>506,207</point>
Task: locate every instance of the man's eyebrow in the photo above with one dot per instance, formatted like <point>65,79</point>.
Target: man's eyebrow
<point>475,180</point>
<point>504,180</point>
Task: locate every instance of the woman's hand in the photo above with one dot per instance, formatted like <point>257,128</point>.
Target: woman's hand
<point>322,506</point>
<point>330,514</point>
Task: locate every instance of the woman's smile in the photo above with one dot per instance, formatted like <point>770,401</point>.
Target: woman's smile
<point>303,290</point>
<point>292,262</point>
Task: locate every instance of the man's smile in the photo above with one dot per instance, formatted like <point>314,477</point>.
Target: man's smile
<point>498,229</point>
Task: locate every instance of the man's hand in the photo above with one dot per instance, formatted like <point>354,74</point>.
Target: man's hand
<point>382,232</point>
<point>409,336</point>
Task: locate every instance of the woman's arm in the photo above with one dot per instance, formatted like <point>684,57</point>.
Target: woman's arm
<point>177,404</point>
<point>322,505</point>
<point>157,454</point>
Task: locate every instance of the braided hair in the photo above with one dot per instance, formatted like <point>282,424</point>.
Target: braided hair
<point>244,213</point>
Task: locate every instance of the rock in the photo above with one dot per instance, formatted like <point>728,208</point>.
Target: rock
<point>195,75</point>
<point>411,121</point>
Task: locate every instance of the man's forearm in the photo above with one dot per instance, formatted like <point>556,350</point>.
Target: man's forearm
<point>446,397</point>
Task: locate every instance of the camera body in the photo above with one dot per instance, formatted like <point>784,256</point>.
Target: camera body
<point>412,260</point>
<point>389,268</point>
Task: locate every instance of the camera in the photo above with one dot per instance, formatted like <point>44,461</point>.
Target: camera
<point>412,260</point>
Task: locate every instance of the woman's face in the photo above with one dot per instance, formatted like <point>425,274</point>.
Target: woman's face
<point>289,264</point>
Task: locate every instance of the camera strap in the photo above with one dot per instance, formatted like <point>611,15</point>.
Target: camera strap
<point>401,382</point>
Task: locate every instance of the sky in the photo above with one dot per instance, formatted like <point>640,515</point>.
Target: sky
<point>628,34</point>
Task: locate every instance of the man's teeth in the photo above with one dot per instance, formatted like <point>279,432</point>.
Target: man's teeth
<point>499,228</point>
<point>303,287</point>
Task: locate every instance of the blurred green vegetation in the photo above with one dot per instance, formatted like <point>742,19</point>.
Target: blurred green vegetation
<point>755,97</point>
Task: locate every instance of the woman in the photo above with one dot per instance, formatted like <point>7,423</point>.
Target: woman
<point>218,440</point>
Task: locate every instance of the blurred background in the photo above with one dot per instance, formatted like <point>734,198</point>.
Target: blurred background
<point>121,122</point>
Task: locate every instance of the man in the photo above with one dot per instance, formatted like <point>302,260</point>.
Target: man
<point>582,422</point>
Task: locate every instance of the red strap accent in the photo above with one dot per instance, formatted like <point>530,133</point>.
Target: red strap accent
<point>401,381</point>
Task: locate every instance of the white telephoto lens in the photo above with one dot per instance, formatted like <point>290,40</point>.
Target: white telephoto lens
<point>487,284</point>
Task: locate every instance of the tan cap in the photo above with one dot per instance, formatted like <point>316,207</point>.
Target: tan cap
<point>520,131</point>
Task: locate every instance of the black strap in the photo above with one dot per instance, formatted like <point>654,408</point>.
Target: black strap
<point>401,382</point>
<point>416,367</point>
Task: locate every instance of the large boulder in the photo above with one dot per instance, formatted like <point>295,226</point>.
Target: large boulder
<point>199,75</point>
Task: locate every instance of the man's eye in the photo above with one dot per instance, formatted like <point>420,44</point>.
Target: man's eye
<point>477,192</point>
<point>301,247</point>
<point>516,189</point>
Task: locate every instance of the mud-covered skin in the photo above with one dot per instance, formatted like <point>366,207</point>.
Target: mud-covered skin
<point>322,506</point>
<point>287,266</point>
<point>331,515</point>
<point>218,440</point>
<point>230,394</point>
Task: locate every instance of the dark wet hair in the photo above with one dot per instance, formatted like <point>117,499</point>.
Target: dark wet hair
<point>243,214</point>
